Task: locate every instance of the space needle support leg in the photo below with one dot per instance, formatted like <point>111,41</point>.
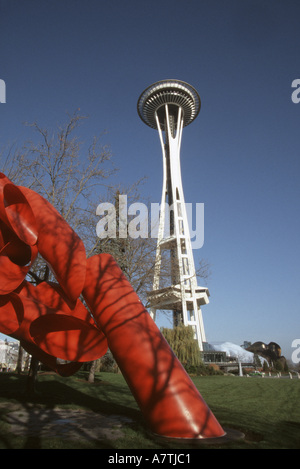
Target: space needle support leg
<point>161,226</point>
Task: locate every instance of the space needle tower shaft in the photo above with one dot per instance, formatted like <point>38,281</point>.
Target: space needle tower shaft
<point>168,106</point>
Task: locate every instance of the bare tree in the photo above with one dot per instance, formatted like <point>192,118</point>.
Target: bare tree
<point>68,174</point>
<point>13,163</point>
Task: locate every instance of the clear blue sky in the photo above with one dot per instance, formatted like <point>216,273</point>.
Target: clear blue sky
<point>240,157</point>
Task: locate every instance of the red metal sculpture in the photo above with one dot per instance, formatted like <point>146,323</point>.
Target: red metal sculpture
<point>52,322</point>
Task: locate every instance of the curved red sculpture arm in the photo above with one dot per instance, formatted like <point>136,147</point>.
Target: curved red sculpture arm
<point>166,395</point>
<point>18,236</point>
<point>16,211</point>
<point>58,244</point>
<point>50,321</point>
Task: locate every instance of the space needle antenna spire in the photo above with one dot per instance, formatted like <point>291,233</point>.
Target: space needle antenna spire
<point>168,106</point>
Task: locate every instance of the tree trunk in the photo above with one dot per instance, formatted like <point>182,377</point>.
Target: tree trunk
<point>20,360</point>
<point>32,376</point>
<point>95,366</point>
<point>91,377</point>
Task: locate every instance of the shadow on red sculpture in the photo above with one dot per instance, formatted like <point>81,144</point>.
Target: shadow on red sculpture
<point>51,322</point>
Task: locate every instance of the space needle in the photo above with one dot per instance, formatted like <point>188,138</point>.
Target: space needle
<point>168,106</point>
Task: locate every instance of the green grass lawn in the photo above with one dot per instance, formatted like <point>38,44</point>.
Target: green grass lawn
<point>266,410</point>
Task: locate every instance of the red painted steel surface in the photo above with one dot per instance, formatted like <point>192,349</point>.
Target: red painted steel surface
<point>51,322</point>
<point>170,402</point>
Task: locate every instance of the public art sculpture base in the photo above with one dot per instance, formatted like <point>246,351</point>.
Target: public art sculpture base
<point>51,322</point>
